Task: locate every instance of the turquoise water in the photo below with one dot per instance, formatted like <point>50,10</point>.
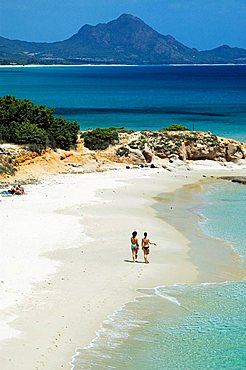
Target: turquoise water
<point>206,331</point>
<point>198,326</point>
<point>210,98</point>
<point>229,198</point>
<point>189,326</point>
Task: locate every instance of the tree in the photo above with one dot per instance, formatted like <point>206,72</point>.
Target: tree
<point>29,133</point>
<point>23,122</point>
<point>101,138</point>
<point>63,134</point>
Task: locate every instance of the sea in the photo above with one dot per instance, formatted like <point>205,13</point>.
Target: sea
<point>185,326</point>
<point>205,98</point>
<point>182,326</point>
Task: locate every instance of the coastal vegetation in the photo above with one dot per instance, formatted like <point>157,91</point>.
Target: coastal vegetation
<point>181,145</point>
<point>27,129</point>
<point>167,149</point>
<point>23,122</point>
<point>7,165</point>
<point>101,138</point>
<point>175,127</point>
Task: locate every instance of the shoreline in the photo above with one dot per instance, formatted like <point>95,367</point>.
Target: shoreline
<point>118,65</point>
<point>66,65</point>
<point>99,298</point>
<point>224,250</point>
<point>203,246</point>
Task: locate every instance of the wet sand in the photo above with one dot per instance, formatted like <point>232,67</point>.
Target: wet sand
<point>81,258</point>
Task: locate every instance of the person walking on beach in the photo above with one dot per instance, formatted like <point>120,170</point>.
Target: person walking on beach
<point>134,246</point>
<point>146,247</point>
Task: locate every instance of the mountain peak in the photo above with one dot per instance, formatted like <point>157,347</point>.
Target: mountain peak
<point>124,20</point>
<point>224,47</point>
<point>128,17</point>
<point>127,39</point>
<point>128,20</point>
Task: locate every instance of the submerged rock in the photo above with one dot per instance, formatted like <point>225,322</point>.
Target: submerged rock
<point>238,179</point>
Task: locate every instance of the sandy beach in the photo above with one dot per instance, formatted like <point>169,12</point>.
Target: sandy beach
<point>64,65</point>
<point>116,65</point>
<point>65,262</point>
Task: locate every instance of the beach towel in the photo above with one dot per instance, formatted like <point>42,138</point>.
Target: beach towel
<point>6,192</point>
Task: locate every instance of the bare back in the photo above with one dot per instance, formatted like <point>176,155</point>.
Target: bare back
<point>145,242</point>
<point>134,241</point>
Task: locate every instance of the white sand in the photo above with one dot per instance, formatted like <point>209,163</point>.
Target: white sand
<point>32,226</point>
<point>116,65</point>
<point>63,250</point>
<point>64,65</point>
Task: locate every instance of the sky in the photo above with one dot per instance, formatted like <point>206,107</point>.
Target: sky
<point>203,24</point>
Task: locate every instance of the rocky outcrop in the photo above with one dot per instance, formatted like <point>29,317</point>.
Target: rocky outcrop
<point>170,150</point>
<point>13,157</point>
<point>238,179</point>
<point>9,158</point>
<point>185,145</point>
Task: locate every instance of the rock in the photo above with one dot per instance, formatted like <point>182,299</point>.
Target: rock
<point>173,158</point>
<point>136,156</point>
<point>237,179</point>
<point>234,152</point>
<point>147,153</point>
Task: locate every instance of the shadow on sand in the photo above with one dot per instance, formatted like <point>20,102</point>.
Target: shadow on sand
<point>133,262</point>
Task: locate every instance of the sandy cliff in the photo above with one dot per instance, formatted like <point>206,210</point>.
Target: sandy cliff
<point>139,147</point>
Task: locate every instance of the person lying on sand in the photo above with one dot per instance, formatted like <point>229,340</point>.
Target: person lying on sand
<point>14,190</point>
<point>134,246</point>
<point>19,189</point>
<point>146,247</point>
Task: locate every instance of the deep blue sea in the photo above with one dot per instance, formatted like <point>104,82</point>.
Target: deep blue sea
<point>207,98</point>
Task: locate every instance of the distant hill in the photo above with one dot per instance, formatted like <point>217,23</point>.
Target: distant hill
<point>125,40</point>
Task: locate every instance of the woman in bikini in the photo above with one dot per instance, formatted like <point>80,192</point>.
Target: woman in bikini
<point>145,247</point>
<point>134,246</point>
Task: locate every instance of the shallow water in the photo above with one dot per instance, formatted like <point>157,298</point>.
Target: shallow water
<point>206,98</point>
<point>205,332</point>
<point>189,326</point>
<point>178,327</point>
<point>230,199</point>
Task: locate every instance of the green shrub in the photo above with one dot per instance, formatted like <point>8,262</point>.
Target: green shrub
<point>22,122</point>
<point>37,148</point>
<point>7,132</point>
<point>101,138</point>
<point>123,151</point>
<point>7,169</point>
<point>63,134</point>
<point>7,166</point>
<point>29,133</point>
<point>175,127</point>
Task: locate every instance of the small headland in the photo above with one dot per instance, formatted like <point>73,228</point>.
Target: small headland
<point>170,150</point>
<point>34,142</point>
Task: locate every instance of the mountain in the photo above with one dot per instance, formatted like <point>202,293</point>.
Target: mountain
<point>125,40</point>
<point>224,54</point>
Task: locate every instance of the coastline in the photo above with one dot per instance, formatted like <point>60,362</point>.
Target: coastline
<point>92,279</point>
<point>215,258</point>
<point>66,65</point>
<point>119,65</point>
